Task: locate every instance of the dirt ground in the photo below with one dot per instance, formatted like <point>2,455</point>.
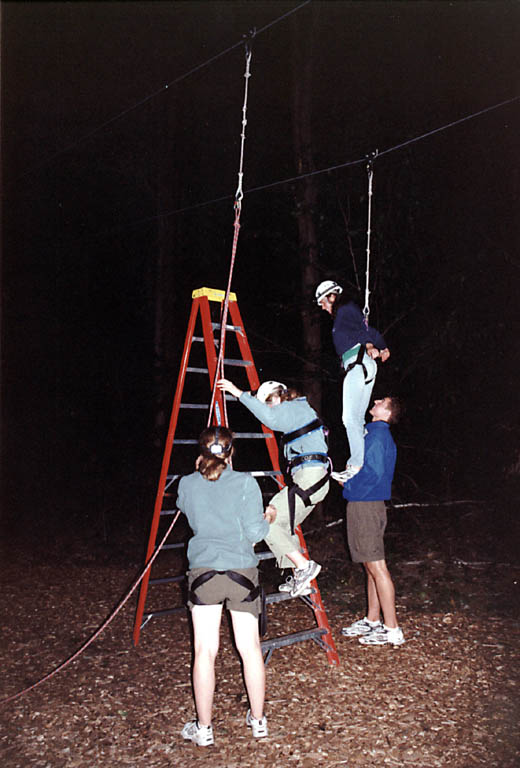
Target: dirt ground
<point>448,697</point>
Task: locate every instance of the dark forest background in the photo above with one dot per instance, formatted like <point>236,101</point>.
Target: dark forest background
<point>104,237</point>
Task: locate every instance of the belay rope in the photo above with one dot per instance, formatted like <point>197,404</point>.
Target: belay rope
<point>370,172</point>
<point>219,371</point>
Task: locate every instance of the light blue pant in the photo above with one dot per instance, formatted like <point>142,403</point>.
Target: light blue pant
<point>356,399</point>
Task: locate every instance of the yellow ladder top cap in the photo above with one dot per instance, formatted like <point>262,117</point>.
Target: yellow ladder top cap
<point>213,294</point>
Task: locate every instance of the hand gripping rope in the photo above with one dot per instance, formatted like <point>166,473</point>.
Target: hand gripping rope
<point>370,171</point>
<point>219,372</point>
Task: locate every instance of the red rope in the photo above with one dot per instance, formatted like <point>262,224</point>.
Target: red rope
<point>102,627</point>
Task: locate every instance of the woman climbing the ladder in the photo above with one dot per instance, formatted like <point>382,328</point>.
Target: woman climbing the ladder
<point>307,472</point>
<point>358,345</point>
<point>225,511</point>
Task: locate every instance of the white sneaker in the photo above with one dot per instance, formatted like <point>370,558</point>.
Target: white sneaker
<point>346,474</point>
<point>288,586</point>
<point>303,577</point>
<point>201,735</point>
<point>384,636</point>
<point>258,727</point>
<point>361,627</point>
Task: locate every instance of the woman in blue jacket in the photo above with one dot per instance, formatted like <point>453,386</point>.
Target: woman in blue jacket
<point>358,347</point>
<point>225,511</point>
<point>307,473</point>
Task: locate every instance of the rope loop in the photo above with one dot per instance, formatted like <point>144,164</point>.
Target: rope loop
<point>370,171</point>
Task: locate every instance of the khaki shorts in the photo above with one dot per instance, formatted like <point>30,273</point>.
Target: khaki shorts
<point>366,523</point>
<point>221,589</point>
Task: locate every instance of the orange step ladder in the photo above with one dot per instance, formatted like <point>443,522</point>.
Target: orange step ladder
<point>202,308</point>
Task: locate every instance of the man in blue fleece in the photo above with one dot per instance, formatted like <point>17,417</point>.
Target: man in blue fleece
<point>366,493</point>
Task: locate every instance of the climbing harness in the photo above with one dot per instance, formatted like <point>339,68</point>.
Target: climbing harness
<point>358,361</point>
<point>255,591</point>
<point>370,172</point>
<point>219,371</point>
<point>288,467</point>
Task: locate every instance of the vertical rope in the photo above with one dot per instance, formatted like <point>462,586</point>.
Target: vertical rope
<point>219,372</point>
<point>370,171</point>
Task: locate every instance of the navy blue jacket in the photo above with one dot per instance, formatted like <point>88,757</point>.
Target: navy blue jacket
<point>373,482</point>
<point>349,329</point>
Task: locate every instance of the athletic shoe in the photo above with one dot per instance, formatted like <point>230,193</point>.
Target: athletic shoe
<point>258,727</point>
<point>361,627</point>
<point>288,586</point>
<point>384,636</point>
<point>201,735</point>
<point>303,577</point>
<point>346,474</point>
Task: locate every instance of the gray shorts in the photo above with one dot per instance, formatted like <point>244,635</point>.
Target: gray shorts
<point>366,523</point>
<point>221,589</point>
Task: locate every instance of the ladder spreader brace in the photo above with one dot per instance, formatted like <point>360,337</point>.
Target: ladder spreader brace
<point>201,305</point>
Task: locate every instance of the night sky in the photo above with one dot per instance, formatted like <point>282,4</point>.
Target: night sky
<point>118,202</point>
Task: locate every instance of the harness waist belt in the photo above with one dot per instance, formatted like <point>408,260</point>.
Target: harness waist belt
<point>349,354</point>
<point>321,457</point>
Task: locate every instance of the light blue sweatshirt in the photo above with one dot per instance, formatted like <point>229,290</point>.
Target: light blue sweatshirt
<point>286,417</point>
<point>226,517</point>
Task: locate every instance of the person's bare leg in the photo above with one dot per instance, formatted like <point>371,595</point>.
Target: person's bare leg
<point>374,606</point>
<point>206,626</point>
<point>247,639</point>
<point>385,591</point>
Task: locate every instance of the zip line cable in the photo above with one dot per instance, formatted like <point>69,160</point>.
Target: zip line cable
<point>330,168</point>
<point>159,91</point>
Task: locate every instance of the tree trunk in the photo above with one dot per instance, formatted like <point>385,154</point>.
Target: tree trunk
<point>306,199</point>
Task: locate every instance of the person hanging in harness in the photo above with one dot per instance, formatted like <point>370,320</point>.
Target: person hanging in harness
<point>225,511</point>
<point>358,347</point>
<point>307,470</point>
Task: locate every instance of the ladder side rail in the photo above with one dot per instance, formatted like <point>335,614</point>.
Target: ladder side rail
<point>219,415</point>
<point>254,382</point>
<point>319,609</point>
<point>165,466</point>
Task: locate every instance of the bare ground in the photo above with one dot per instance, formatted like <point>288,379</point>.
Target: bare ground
<point>448,697</point>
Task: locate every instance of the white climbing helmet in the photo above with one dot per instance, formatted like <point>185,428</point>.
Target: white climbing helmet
<point>325,288</point>
<point>267,388</point>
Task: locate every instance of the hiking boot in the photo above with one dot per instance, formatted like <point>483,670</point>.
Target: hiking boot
<point>361,627</point>
<point>288,586</point>
<point>201,735</point>
<point>303,577</point>
<point>384,636</point>
<point>258,727</point>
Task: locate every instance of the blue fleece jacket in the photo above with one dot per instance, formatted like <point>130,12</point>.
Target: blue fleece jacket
<point>349,329</point>
<point>226,517</point>
<point>373,482</point>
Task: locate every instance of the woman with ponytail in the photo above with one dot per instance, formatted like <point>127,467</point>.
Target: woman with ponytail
<point>225,511</point>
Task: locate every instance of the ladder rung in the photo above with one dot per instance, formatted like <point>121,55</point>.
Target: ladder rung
<point>279,597</point>
<point>167,579</point>
<point>200,406</point>
<point>165,612</point>
<point>168,511</point>
<point>251,435</point>
<point>237,328</point>
<point>265,473</point>
<point>190,369</point>
<point>241,363</point>
<point>178,545</point>
<point>295,637</point>
<point>186,442</point>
